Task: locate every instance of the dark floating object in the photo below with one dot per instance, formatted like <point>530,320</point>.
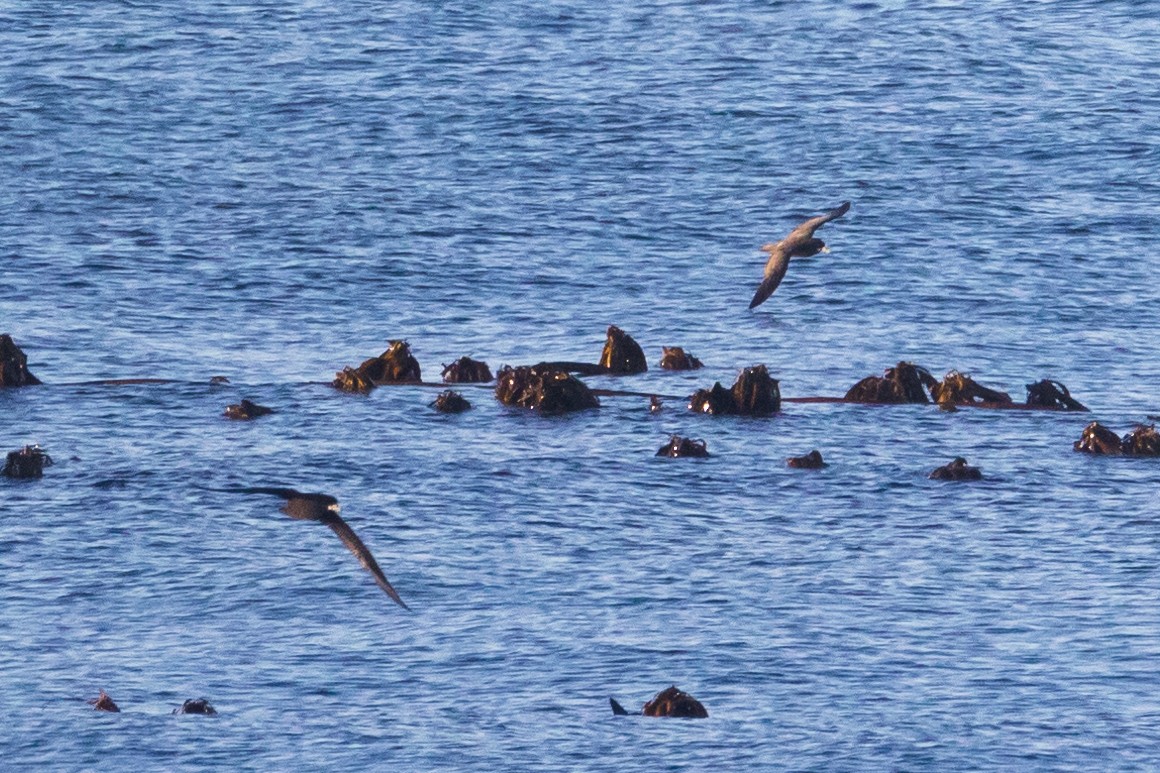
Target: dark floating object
<point>466,371</point>
<point>904,383</point>
<point>395,365</point>
<point>28,462</point>
<point>811,461</point>
<point>14,365</point>
<point>676,358</point>
<point>1097,439</point>
<point>196,706</point>
<point>755,393</point>
<point>246,410</point>
<point>670,702</point>
<point>104,703</point>
<point>956,470</point>
<point>451,402</point>
<point>654,404</point>
<point>960,389</point>
<point>218,380</point>
<point>548,391</point>
<point>1052,394</point>
<point>799,244</point>
<point>621,353</point>
<point>682,446</point>
<point>324,509</point>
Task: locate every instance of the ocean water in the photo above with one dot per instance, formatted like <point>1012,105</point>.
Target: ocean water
<point>271,191</point>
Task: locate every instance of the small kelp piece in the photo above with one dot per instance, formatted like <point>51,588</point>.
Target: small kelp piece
<point>466,371</point>
<point>547,391</point>
<point>28,462</point>
<point>395,365</point>
<point>755,393</point>
<point>450,402</point>
<point>1144,440</point>
<point>351,380</point>
<point>678,447</point>
<point>1098,439</point>
<point>960,389</point>
<point>246,410</point>
<point>14,365</point>
<point>676,358</point>
<point>956,470</point>
<point>811,461</point>
<point>1052,394</point>
<point>904,383</point>
<point>104,703</point>
<point>669,702</point>
<point>621,353</point>
<point>196,706</point>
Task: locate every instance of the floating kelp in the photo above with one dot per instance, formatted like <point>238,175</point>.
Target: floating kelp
<point>1098,439</point>
<point>682,446</point>
<point>546,391</point>
<point>104,703</point>
<point>466,371</point>
<point>676,358</point>
<point>755,393</point>
<point>14,365</point>
<point>28,462</point>
<point>670,702</point>
<point>1052,394</point>
<point>811,461</point>
<point>451,402</point>
<point>196,706</point>
<point>393,366</point>
<point>904,383</point>
<point>351,380</point>
<point>621,353</point>
<point>960,389</point>
<point>1144,440</point>
<point>246,410</point>
<point>956,470</point>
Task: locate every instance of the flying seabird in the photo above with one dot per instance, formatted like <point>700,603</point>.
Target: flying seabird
<point>799,244</point>
<point>324,508</point>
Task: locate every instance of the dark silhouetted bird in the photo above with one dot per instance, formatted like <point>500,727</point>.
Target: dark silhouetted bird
<point>799,244</point>
<point>324,508</point>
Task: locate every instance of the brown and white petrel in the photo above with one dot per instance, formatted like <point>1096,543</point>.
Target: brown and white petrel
<point>324,508</point>
<point>799,244</point>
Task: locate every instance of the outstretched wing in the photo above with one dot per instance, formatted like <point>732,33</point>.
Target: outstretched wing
<point>363,554</point>
<point>806,230</point>
<point>285,493</point>
<point>775,269</point>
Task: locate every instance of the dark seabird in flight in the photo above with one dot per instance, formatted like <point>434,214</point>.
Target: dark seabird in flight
<point>799,244</point>
<point>324,508</point>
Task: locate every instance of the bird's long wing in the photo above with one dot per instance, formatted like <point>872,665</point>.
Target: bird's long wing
<point>363,554</point>
<point>285,493</point>
<point>775,269</point>
<point>806,229</point>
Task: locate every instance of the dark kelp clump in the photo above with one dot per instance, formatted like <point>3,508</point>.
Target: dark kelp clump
<point>466,371</point>
<point>246,410</point>
<point>676,358</point>
<point>960,389</point>
<point>28,462</point>
<point>104,703</point>
<point>352,380</point>
<point>547,391</point>
<point>678,447</point>
<point>1097,439</point>
<point>14,365</point>
<point>621,353</point>
<point>755,393</point>
<point>450,402</point>
<point>904,383</point>
<point>670,702</point>
<point>956,470</point>
<point>811,461</point>
<point>393,366</point>
<point>196,706</point>
<point>1052,394</point>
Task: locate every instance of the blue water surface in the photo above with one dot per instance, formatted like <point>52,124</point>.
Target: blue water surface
<point>271,191</point>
